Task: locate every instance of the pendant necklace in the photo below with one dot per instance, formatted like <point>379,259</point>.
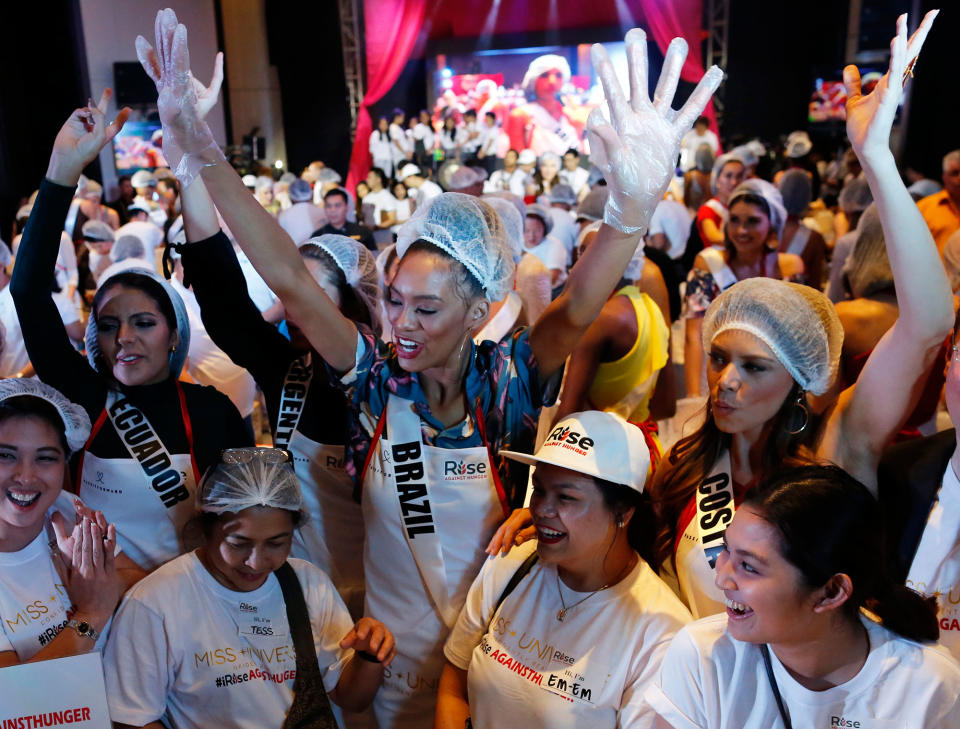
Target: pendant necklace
<point>562,612</point>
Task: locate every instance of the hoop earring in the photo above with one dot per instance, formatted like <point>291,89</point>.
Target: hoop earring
<point>800,405</point>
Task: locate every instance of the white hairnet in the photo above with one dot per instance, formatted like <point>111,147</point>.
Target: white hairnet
<point>796,189</point>
<point>142,178</point>
<point>249,477</point>
<point>592,206</point>
<point>798,144</point>
<point>769,194</point>
<point>249,181</point>
<point>797,322</point>
<point>469,231</point>
<point>97,230</point>
<point>512,223</point>
<point>855,196</point>
<point>541,65</point>
<point>563,194</point>
<point>462,178</point>
<point>264,183</point>
<point>76,422</point>
<point>924,188</point>
<point>359,268</point>
<point>551,157</point>
<point>5,255</point>
<point>328,175</point>
<point>543,214</point>
<point>719,163</point>
<point>867,268</point>
<point>127,246</point>
<point>746,154</point>
<point>300,191</point>
<point>92,188</point>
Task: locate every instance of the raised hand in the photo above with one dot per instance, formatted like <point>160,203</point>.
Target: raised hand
<point>637,149</point>
<point>93,585</point>
<point>870,117</point>
<point>81,138</point>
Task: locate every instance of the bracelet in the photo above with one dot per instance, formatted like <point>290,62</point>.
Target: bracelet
<point>367,656</point>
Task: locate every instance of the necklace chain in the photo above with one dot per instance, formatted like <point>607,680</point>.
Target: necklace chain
<point>562,612</point>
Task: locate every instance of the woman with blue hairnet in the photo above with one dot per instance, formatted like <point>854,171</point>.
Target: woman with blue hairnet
<point>152,435</point>
<point>431,408</point>
<point>237,634</point>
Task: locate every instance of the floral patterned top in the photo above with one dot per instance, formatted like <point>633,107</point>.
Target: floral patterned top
<point>703,288</point>
<point>503,382</point>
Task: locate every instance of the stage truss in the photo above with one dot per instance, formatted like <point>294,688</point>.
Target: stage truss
<point>717,25</point>
<point>352,41</point>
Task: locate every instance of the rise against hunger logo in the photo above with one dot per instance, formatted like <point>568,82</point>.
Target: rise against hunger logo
<point>571,440</point>
<point>462,471</point>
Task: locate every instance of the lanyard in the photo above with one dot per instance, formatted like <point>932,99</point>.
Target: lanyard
<point>781,707</point>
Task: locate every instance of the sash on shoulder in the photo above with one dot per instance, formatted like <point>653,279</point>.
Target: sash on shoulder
<point>296,384</point>
<point>715,508</point>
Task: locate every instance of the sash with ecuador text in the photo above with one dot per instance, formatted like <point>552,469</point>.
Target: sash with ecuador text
<point>408,473</point>
<point>296,384</point>
<point>715,507</point>
<point>145,447</point>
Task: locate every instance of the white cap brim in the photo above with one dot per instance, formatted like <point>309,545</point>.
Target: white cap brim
<point>534,460</point>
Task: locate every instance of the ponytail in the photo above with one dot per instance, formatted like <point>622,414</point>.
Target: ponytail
<point>905,611</point>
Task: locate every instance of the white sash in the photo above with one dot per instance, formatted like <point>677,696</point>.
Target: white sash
<point>151,455</point>
<point>721,272</point>
<point>296,384</point>
<point>715,507</point>
<point>799,241</point>
<point>408,474</point>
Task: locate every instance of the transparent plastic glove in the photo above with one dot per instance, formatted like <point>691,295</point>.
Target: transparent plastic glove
<point>178,99</point>
<point>638,147</point>
<point>870,117</point>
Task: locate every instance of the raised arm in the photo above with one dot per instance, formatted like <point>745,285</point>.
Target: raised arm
<point>269,248</point>
<point>869,412</point>
<point>636,150</point>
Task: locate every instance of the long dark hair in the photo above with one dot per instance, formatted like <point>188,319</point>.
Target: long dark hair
<point>351,305</point>
<point>750,199</point>
<point>146,284</point>
<point>829,523</point>
<point>28,406</point>
<point>640,530</point>
<point>676,479</point>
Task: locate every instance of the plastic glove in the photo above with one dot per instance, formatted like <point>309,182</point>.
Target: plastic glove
<point>637,149</point>
<point>870,117</point>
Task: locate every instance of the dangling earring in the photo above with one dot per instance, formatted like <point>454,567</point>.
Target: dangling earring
<point>801,406</point>
<point>173,348</point>
<point>619,522</point>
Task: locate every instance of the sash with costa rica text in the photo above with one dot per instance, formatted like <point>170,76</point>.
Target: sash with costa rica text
<point>715,508</point>
<point>156,464</point>
<point>296,384</point>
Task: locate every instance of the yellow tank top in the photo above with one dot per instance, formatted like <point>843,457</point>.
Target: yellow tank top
<point>624,386</point>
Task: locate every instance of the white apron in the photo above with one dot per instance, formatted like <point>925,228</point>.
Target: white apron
<point>702,541</point>
<point>332,538</point>
<point>429,514</point>
<point>149,496</point>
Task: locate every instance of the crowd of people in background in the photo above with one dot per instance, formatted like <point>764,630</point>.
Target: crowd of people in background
<point>647,430</point>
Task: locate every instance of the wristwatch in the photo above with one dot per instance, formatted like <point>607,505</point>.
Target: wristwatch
<point>84,629</point>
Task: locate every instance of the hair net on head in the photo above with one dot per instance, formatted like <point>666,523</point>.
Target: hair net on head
<point>924,188</point>
<point>92,188</point>
<point>514,200</point>
<point>551,157</point>
<point>540,66</point>
<point>746,154</point>
<point>177,357</point>
<point>543,214</point>
<point>97,230</point>
<point>5,255</point>
<point>469,231</point>
<point>867,268</point>
<point>951,260</point>
<point>463,178</point>
<point>796,190</point>
<point>722,161</point>
<point>512,223</point>
<point>592,206</point>
<point>328,176</point>
<point>703,158</point>
<point>76,422</point>
<point>563,194</point>
<point>359,268</point>
<point>127,246</point>
<point>249,181</point>
<point>264,183</point>
<point>855,196</point>
<point>798,144</point>
<point>249,477</point>
<point>757,147</point>
<point>142,178</point>
<point>527,157</point>
<point>797,322</point>
<point>769,194</point>
<point>287,178</point>
<point>300,191</point>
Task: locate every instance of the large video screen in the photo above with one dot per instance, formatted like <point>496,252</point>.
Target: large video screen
<point>138,147</point>
<point>828,102</point>
<point>541,96</point>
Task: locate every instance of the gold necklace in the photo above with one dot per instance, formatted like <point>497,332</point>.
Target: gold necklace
<point>562,612</point>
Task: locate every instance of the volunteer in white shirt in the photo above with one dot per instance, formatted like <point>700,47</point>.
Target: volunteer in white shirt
<point>59,579</point>
<point>510,179</point>
<point>302,217</point>
<point>382,205</point>
<point>538,241</point>
<point>381,146</point>
<point>429,507</point>
<point>573,174</point>
<point>143,228</point>
<point>421,189</point>
<point>801,563</point>
<point>401,145</point>
<point>469,136</point>
<point>600,617</point>
<point>670,228</point>
<point>234,634</point>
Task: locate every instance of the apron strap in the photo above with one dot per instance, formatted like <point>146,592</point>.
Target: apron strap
<point>494,471</point>
<point>188,428</point>
<point>93,434</point>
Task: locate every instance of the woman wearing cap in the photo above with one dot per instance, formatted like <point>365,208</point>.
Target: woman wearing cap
<point>431,408</point>
<point>728,172</point>
<point>59,579</point>
<point>307,412</point>
<point>151,435</point>
<point>543,124</point>
<point>771,342</point>
<point>569,631</point>
<point>754,223</point>
<point>815,634</point>
<point>235,634</point>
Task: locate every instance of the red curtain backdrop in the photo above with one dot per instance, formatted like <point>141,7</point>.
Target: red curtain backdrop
<point>391,28</point>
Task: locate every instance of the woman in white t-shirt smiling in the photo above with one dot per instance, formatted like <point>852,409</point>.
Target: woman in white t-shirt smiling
<point>210,638</point>
<point>802,558</point>
<point>59,582</point>
<point>569,633</point>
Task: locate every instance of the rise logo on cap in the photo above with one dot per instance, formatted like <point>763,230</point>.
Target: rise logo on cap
<point>564,437</point>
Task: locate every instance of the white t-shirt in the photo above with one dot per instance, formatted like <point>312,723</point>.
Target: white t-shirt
<point>427,191</point>
<point>181,647</point>
<point>382,201</point>
<point>673,220</point>
<point>425,133</point>
<point>691,143</point>
<point>33,600</point>
<point>565,230</point>
<point>576,179</point>
<point>530,670</point>
<point>381,149</point>
<point>710,680</point>
<point>150,234</point>
<point>553,255</point>
<point>935,569</point>
<point>301,219</point>
<point>503,181</point>
<point>14,357</point>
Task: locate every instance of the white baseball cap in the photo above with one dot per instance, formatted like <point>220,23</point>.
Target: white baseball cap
<point>527,157</point>
<point>408,170</point>
<point>595,443</point>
